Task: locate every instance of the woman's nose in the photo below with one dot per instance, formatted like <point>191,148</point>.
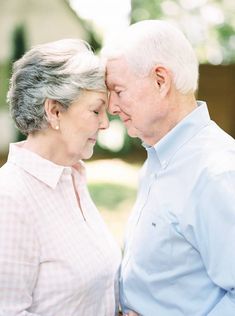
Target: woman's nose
<point>104,122</point>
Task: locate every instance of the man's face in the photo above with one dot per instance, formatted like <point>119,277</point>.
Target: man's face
<point>135,99</point>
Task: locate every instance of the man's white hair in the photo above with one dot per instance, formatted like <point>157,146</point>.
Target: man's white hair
<point>156,42</point>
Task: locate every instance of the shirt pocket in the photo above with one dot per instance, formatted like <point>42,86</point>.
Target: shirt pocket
<point>152,243</point>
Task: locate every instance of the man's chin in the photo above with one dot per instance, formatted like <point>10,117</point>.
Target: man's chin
<point>132,133</point>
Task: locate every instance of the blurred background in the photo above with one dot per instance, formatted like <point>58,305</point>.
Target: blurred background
<point>113,170</point>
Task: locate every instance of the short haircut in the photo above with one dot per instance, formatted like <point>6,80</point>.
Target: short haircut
<point>155,42</point>
<point>60,71</point>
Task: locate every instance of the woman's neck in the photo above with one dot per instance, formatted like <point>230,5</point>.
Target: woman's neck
<point>48,146</point>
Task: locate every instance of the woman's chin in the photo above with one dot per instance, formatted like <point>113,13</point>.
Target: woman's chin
<point>87,154</point>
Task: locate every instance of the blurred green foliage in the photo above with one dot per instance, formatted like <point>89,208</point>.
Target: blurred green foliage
<point>93,39</point>
<point>110,195</point>
<point>18,42</point>
<point>209,25</point>
<point>18,49</point>
<point>143,10</point>
<point>4,82</point>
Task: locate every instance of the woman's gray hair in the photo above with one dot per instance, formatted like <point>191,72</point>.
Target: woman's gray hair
<point>156,42</point>
<point>59,71</point>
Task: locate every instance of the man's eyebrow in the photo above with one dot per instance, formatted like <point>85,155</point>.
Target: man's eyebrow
<point>109,84</point>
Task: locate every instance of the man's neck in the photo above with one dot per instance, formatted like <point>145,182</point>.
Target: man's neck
<point>179,106</point>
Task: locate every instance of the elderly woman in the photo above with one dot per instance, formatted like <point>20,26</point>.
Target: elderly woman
<point>57,257</point>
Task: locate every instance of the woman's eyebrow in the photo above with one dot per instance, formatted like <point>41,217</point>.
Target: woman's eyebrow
<point>102,101</point>
<point>98,102</point>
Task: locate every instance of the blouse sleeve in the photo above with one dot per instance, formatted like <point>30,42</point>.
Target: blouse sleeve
<point>19,257</point>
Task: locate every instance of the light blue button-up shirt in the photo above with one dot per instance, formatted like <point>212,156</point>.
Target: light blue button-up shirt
<point>180,244</point>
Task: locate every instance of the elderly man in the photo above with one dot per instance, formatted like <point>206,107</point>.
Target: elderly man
<point>179,253</point>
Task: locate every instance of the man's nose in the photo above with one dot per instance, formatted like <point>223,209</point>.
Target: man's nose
<point>113,107</point>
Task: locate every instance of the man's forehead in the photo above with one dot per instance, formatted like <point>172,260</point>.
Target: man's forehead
<point>110,81</point>
<point>116,64</point>
<point>112,75</point>
<point>113,80</point>
<point>115,69</point>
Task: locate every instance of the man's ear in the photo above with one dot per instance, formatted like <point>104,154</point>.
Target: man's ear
<point>52,109</point>
<point>162,77</point>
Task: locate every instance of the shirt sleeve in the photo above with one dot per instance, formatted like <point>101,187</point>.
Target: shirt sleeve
<point>211,218</point>
<point>19,253</point>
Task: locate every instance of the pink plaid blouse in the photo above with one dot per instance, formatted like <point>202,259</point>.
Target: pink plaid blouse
<point>54,259</point>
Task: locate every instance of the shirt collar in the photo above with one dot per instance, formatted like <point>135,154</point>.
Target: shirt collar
<point>44,170</point>
<point>182,133</point>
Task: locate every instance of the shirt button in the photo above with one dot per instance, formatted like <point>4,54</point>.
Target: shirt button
<point>67,170</point>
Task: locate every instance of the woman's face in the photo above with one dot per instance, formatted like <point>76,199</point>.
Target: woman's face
<point>80,124</point>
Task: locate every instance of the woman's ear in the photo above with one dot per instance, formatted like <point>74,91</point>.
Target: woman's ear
<point>162,78</point>
<point>52,109</point>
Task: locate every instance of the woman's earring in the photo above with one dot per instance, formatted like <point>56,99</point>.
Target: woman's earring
<point>57,127</point>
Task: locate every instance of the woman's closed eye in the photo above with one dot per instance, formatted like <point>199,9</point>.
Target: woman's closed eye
<point>118,92</point>
<point>96,110</point>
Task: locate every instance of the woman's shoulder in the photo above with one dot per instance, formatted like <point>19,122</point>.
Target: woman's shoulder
<point>13,199</point>
<point>11,180</point>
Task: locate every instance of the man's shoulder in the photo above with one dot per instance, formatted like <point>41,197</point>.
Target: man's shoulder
<point>211,153</point>
<point>212,140</point>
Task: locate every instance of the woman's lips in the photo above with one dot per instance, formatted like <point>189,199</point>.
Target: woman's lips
<point>92,140</point>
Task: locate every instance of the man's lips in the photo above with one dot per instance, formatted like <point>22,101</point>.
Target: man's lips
<point>124,120</point>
